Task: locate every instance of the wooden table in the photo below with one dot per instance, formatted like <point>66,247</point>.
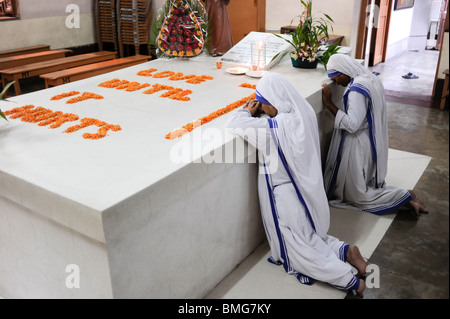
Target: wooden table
<point>25,50</point>
<point>86,71</point>
<point>29,58</point>
<point>36,69</point>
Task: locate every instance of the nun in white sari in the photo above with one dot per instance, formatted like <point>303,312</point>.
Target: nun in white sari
<point>293,202</point>
<point>356,164</point>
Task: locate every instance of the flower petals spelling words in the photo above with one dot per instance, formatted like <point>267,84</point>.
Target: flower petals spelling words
<point>208,118</point>
<point>44,117</point>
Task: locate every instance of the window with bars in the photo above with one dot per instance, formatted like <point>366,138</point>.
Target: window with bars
<point>9,9</point>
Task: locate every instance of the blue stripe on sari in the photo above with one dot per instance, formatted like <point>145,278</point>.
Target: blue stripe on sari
<point>337,162</point>
<point>364,91</point>
<point>283,252</point>
<point>352,285</point>
<point>370,120</point>
<point>343,252</point>
<point>332,73</point>
<point>304,279</point>
<point>381,210</point>
<point>260,98</point>
<point>273,124</point>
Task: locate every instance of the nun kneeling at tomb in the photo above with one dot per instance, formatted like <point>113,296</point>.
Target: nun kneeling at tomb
<point>294,206</point>
<point>356,165</point>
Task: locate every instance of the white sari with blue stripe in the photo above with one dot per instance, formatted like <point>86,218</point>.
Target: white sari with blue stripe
<point>293,203</point>
<point>356,164</point>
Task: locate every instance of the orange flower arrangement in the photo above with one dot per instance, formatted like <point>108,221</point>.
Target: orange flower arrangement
<point>176,77</point>
<point>133,86</point>
<point>124,85</point>
<point>113,83</point>
<point>173,93</point>
<point>83,97</point>
<point>191,78</point>
<point>147,73</point>
<point>42,116</point>
<point>199,79</point>
<point>177,94</point>
<point>181,96</point>
<point>18,112</point>
<point>136,87</point>
<point>248,86</point>
<point>103,128</point>
<point>36,115</point>
<point>45,117</point>
<point>61,119</point>
<point>63,95</point>
<point>164,74</point>
<point>157,87</point>
<point>208,118</point>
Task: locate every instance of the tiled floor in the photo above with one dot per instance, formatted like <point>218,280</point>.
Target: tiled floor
<point>414,255</point>
<point>422,64</point>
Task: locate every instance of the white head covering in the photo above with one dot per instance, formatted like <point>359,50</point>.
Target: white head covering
<point>298,135</point>
<point>366,83</point>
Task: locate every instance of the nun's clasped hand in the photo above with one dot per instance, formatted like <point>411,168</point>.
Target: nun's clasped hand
<point>252,106</point>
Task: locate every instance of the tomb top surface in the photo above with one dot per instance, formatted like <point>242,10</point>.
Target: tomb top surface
<point>101,173</point>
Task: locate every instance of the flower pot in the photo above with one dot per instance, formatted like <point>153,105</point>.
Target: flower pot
<point>304,64</point>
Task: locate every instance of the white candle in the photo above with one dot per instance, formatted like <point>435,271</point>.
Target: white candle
<point>259,55</point>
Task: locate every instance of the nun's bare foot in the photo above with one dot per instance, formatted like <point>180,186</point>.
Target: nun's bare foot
<point>415,208</point>
<point>422,208</point>
<point>362,286</point>
<point>355,259</point>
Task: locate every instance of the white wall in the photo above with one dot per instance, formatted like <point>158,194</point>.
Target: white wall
<point>44,22</point>
<point>399,31</point>
<point>281,12</point>
<point>421,25</point>
<point>409,28</point>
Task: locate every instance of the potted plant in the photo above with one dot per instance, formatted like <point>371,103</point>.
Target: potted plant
<point>311,34</point>
<point>2,94</point>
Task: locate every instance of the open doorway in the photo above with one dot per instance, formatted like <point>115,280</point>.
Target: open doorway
<point>397,38</point>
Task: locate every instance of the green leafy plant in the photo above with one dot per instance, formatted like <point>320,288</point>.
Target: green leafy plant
<point>325,56</point>
<point>311,34</point>
<point>2,95</point>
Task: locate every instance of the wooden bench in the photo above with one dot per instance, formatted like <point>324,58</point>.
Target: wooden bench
<point>23,59</point>
<point>37,69</point>
<point>445,90</point>
<point>25,50</point>
<point>86,71</point>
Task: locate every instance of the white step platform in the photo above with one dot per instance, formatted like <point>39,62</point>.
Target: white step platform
<point>256,278</point>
